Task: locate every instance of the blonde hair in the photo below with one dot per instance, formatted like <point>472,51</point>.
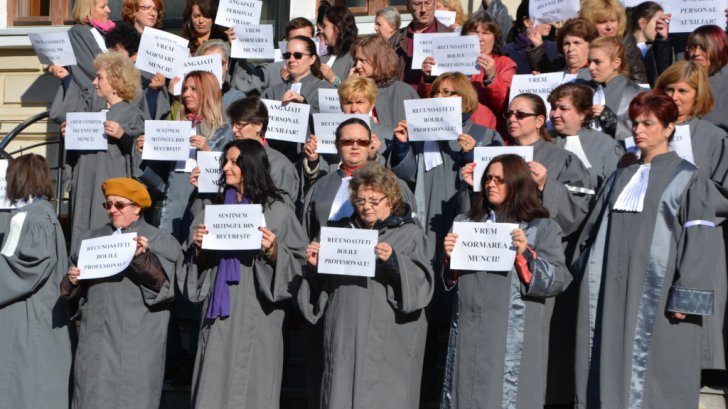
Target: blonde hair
<point>356,85</point>
<point>121,73</point>
<point>614,49</point>
<point>457,7</point>
<point>462,85</point>
<point>210,97</point>
<point>597,11</point>
<point>82,10</point>
<point>697,77</point>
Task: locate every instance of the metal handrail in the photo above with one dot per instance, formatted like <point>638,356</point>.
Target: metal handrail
<point>21,127</point>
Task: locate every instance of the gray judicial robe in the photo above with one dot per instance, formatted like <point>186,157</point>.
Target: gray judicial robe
<point>342,65</point>
<point>309,91</point>
<point>247,77</point>
<point>374,328</point>
<point>618,93</point>
<point>630,352</point>
<point>121,348</point>
<point>86,49</point>
<point>390,103</point>
<point>35,366</point>
<point>90,169</point>
<point>284,174</point>
<point>501,330</point>
<point>602,151</point>
<point>719,83</point>
<point>239,360</point>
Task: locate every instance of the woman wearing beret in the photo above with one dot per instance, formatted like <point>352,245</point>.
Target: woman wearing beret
<point>121,349</point>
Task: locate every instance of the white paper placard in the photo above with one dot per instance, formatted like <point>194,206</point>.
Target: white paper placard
<point>681,143</point>
<point>209,164</point>
<point>328,99</point>
<point>434,119</point>
<point>254,42</point>
<point>445,17</point>
<point>53,48</point>
<point>160,51</point>
<point>484,154</point>
<point>551,11</point>
<point>233,227</point>
<point>348,252</point>
<point>287,122</point>
<point>166,140</point>
<point>325,125</point>
<point>238,13</point>
<point>209,63</point>
<point>85,131</point>
<point>456,55</point>
<point>687,15</point>
<point>4,202</point>
<point>422,47</point>
<point>105,256</point>
<point>483,246</point>
<point>541,85</point>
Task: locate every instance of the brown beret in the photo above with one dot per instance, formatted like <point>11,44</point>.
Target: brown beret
<point>128,188</point>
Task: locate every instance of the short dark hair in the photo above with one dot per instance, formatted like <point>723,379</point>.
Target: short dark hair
<point>258,186</point>
<point>297,23</point>
<point>576,27</point>
<point>351,121</point>
<point>125,35</point>
<point>28,176</point>
<point>581,96</point>
<point>482,18</point>
<point>655,102</point>
<point>249,109</point>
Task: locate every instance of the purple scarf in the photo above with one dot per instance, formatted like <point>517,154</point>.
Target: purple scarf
<point>228,272</point>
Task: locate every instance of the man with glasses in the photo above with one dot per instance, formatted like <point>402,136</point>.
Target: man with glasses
<point>423,21</point>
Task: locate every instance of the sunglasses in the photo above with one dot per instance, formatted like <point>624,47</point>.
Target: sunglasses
<point>496,179</point>
<point>518,114</point>
<point>296,55</point>
<point>359,142</point>
<point>118,205</point>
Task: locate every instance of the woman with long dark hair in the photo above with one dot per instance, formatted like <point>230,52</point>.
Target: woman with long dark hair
<point>339,32</point>
<point>198,23</point>
<point>244,292</point>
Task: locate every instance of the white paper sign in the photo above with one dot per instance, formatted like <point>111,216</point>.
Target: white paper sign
<point>160,51</point>
<point>85,131</point>
<point>287,122</point>
<point>209,63</point>
<point>209,164</point>
<point>551,11</point>
<point>106,256</point>
<point>53,48</point>
<point>328,99</point>
<point>687,15</point>
<point>325,125</point>
<point>484,154</point>
<point>166,140</point>
<point>434,119</point>
<point>681,143</point>
<point>238,13</point>
<point>456,55</point>
<point>483,246</point>
<point>4,202</point>
<point>253,42</point>
<point>348,252</point>
<point>233,227</point>
<point>445,17</point>
<point>541,85</point>
<point>422,47</point>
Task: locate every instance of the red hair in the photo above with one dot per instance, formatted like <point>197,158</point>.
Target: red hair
<point>714,41</point>
<point>654,102</point>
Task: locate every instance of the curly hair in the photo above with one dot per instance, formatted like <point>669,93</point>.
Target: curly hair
<point>121,73</point>
<point>381,179</point>
<point>130,7</point>
<point>697,77</point>
<point>347,31</point>
<point>486,21</point>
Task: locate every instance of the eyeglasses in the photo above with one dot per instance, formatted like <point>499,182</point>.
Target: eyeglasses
<point>370,201</point>
<point>149,8</point>
<point>118,205</point>
<point>239,125</point>
<point>359,142</point>
<point>297,55</point>
<point>497,179</point>
<point>444,93</point>
<point>426,4</point>
<point>518,114</point>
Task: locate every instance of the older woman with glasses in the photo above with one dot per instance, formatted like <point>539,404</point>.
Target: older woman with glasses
<point>374,327</point>
<point>121,349</point>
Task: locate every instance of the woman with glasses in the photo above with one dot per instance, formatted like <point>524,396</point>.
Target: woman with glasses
<point>244,293</point>
<point>143,13</point>
<point>36,338</point>
<point>562,180</point>
<point>504,315</point>
<point>645,282</point>
<point>374,327</point>
<point>121,346</point>
<point>707,46</point>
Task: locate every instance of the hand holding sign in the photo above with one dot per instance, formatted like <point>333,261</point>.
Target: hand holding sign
<point>342,253</point>
<point>106,256</point>
<point>482,246</point>
<point>434,119</point>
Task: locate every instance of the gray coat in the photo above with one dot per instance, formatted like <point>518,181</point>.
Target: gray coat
<point>35,367</point>
<point>602,151</point>
<point>618,93</point>
<point>719,83</point>
<point>248,77</point>
<point>284,174</point>
<point>342,65</point>
<point>86,49</point>
<point>390,103</point>
<point>121,349</point>
<point>239,360</point>
<point>374,328</point>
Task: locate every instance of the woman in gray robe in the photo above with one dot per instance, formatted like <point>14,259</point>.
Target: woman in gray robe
<point>374,327</point>
<point>35,366</point>
<point>499,337</point>
<point>121,349</point>
<point>239,360</point>
<point>339,31</point>
<point>707,46</point>
<point>646,275</point>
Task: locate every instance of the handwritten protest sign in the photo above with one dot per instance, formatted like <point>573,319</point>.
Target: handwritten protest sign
<point>166,140</point>
<point>254,41</point>
<point>434,119</point>
<point>209,164</point>
<point>85,131</point>
<point>233,227</point>
<point>287,122</point>
<point>53,48</point>
<point>238,13</point>
<point>456,55</point>
<point>325,125</point>
<point>209,63</point>
<point>106,256</point>
<point>484,154</point>
<point>483,246</point>
<point>349,254</point>
<point>160,51</point>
